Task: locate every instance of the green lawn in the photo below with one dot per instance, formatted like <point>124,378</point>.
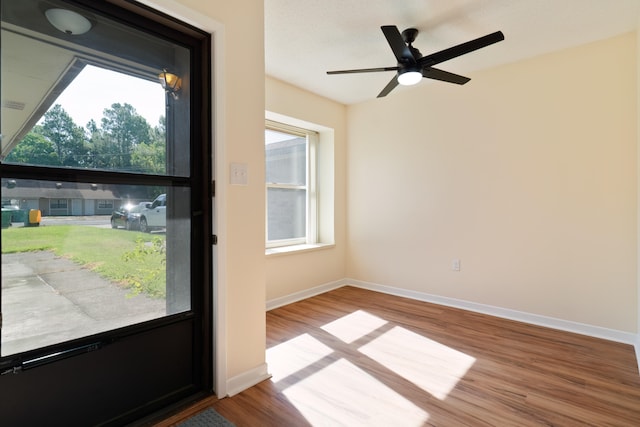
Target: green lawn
<point>130,258</point>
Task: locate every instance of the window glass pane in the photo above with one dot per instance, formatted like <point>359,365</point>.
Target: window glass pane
<point>71,269</point>
<point>286,158</point>
<point>91,101</point>
<point>286,212</point>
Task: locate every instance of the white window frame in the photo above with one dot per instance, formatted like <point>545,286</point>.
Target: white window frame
<point>311,235</point>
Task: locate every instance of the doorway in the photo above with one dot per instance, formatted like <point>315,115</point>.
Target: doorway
<point>106,310</point>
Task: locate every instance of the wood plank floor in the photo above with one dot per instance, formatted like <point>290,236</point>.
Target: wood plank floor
<point>359,358</point>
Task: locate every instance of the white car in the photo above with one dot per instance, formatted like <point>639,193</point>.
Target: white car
<point>154,215</point>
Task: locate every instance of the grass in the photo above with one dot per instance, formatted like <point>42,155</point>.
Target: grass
<point>132,259</point>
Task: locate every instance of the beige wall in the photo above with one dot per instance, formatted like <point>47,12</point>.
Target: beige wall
<point>637,343</point>
<point>239,104</point>
<point>238,36</point>
<point>290,273</point>
<point>527,174</point>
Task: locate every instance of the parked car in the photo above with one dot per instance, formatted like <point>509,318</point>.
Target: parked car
<point>128,216</point>
<point>154,215</point>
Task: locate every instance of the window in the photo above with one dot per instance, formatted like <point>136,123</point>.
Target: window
<point>290,155</point>
<point>105,204</point>
<point>93,158</point>
<point>58,204</point>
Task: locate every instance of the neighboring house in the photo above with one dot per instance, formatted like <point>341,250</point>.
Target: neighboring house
<point>60,198</point>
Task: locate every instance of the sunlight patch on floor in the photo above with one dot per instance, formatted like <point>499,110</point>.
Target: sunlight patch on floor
<point>341,394</point>
<point>294,355</point>
<point>353,326</point>
<point>428,364</point>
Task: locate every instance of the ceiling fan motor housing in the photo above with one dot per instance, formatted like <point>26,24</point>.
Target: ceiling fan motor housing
<point>409,35</point>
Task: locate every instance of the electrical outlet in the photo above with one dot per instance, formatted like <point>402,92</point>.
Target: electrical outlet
<point>455,265</point>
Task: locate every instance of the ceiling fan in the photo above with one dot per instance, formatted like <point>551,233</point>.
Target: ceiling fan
<point>412,66</point>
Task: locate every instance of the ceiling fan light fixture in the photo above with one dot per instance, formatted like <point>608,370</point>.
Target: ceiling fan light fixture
<point>409,78</point>
<point>68,21</point>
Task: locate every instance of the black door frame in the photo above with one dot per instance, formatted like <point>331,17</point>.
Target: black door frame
<point>109,378</point>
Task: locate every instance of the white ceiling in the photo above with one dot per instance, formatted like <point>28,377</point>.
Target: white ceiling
<point>304,39</point>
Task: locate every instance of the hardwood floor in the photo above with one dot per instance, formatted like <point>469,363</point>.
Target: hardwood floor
<point>355,357</point>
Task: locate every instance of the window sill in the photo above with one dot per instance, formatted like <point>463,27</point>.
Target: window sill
<point>296,249</point>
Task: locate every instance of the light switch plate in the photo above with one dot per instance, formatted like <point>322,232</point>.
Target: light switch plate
<point>239,174</point>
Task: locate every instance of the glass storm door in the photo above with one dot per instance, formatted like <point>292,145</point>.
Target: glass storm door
<point>105,250</point>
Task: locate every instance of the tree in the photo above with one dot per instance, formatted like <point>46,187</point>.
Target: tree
<point>92,127</point>
<point>152,157</point>
<point>104,153</point>
<point>125,142</point>
<point>34,149</point>
<point>122,130</point>
<point>67,138</point>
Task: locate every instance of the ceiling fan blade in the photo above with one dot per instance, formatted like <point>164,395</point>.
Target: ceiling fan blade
<point>398,46</point>
<point>389,87</point>
<point>364,70</point>
<point>461,49</point>
<point>445,76</point>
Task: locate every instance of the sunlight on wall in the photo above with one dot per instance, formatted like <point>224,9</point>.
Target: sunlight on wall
<point>353,326</point>
<point>428,364</point>
<point>360,401</point>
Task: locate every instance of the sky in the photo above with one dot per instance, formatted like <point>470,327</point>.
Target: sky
<point>95,89</point>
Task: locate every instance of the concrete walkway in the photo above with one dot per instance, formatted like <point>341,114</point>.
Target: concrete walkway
<point>47,299</point>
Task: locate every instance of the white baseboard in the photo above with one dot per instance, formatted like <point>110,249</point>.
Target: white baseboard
<point>307,293</point>
<point>247,379</point>
<point>535,319</point>
<point>505,313</point>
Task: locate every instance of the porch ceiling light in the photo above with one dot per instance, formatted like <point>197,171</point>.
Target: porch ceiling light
<point>170,82</point>
<point>68,21</point>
